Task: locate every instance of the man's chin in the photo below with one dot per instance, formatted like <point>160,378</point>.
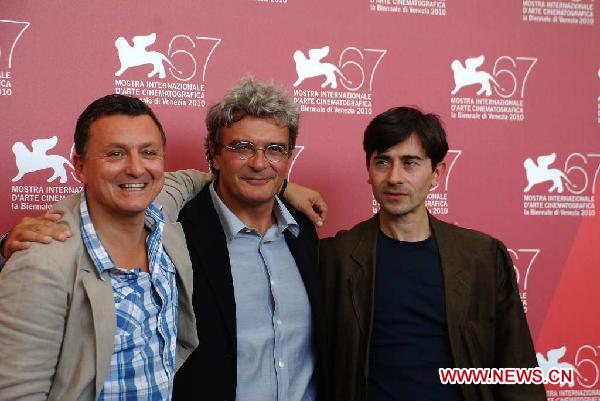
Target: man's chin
<point>257,197</point>
<point>133,209</point>
<point>396,210</point>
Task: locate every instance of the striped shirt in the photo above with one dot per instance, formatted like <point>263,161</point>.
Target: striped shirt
<point>142,365</point>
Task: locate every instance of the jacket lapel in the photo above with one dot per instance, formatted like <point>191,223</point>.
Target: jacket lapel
<point>302,256</point>
<point>361,282</point>
<point>175,246</point>
<point>100,294</point>
<point>101,300</point>
<point>304,249</point>
<point>205,235</point>
<point>176,250</point>
<point>455,275</point>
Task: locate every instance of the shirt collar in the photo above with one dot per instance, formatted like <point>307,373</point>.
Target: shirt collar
<point>232,224</point>
<point>153,219</point>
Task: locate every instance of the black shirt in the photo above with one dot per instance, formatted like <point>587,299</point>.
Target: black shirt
<point>410,339</point>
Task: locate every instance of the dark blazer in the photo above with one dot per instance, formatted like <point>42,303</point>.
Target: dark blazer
<point>210,372</point>
<point>486,322</point>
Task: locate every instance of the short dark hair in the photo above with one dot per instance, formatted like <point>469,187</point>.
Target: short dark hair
<point>249,97</point>
<point>397,124</point>
<point>110,105</point>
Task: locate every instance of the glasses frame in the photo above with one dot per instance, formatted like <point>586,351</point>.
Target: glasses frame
<point>232,148</point>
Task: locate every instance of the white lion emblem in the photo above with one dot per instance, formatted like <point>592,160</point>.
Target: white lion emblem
<point>538,173</point>
<point>313,67</point>
<point>136,55</point>
<point>35,160</point>
<point>552,362</point>
<point>468,75</point>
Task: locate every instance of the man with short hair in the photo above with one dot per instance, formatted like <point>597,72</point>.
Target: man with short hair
<point>407,294</point>
<point>106,315</point>
<point>257,293</point>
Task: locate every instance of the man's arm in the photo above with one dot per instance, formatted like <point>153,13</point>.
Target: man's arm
<point>307,201</point>
<point>42,229</point>
<point>33,308</point>
<point>514,347</point>
<point>183,185</point>
<point>180,187</point>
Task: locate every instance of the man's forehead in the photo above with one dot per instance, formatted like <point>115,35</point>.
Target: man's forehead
<point>123,122</point>
<point>247,121</point>
<point>258,130</point>
<point>122,117</point>
<point>410,147</point>
<point>126,131</point>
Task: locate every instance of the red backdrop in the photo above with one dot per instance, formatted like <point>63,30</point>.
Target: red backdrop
<point>516,82</point>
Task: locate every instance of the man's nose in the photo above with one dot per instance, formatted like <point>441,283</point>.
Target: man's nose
<point>258,161</point>
<point>396,174</point>
<point>135,165</point>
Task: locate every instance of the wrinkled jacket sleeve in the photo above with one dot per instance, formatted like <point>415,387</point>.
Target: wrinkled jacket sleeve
<point>181,187</point>
<point>33,310</point>
<point>514,347</point>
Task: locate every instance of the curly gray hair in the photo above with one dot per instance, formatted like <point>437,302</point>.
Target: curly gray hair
<point>249,97</point>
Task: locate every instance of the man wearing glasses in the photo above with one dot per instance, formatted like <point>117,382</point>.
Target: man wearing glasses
<point>256,298</point>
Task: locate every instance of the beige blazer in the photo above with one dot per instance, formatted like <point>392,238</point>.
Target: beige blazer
<point>57,315</point>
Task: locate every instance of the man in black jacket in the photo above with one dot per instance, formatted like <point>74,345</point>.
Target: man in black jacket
<point>256,296</point>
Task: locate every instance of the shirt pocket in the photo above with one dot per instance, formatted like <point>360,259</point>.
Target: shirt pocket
<point>130,315</point>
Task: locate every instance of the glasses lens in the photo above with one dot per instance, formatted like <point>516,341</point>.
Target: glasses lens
<point>275,153</point>
<point>243,149</point>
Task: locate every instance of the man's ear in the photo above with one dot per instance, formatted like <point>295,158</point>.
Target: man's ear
<point>213,157</point>
<point>437,174</point>
<point>78,163</point>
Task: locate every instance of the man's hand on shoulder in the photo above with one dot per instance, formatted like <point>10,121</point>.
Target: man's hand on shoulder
<point>307,201</point>
<point>43,229</point>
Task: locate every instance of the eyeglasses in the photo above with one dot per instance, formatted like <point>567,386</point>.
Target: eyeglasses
<point>245,150</point>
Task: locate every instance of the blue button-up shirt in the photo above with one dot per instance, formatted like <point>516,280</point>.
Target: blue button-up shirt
<point>275,357</point>
<point>142,365</point>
